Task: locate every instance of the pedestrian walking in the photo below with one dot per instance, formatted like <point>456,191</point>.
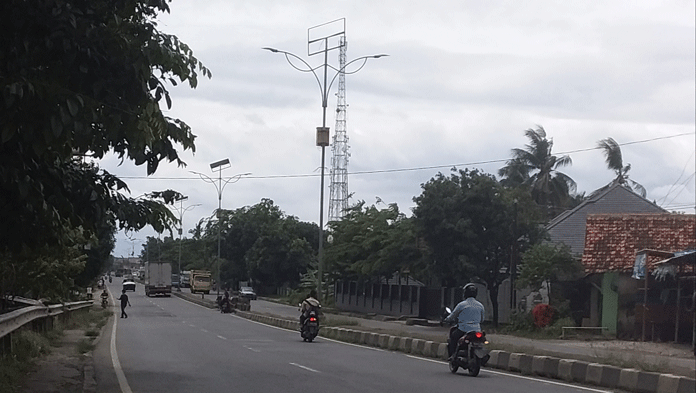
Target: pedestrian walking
<point>124,302</point>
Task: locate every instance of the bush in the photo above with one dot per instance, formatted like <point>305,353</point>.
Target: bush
<point>27,345</point>
<point>521,321</point>
<point>543,315</point>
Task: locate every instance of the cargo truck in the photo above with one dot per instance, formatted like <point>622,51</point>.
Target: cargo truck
<point>158,279</point>
<point>200,281</point>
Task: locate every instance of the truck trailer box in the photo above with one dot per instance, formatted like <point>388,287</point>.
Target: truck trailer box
<point>158,279</point>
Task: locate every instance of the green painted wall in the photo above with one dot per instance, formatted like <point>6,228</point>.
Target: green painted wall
<point>610,301</point>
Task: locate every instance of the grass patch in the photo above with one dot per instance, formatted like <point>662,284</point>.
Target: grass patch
<point>334,321</point>
<point>27,346</point>
<point>12,372</point>
<point>85,346</point>
<point>92,333</point>
<point>633,362</point>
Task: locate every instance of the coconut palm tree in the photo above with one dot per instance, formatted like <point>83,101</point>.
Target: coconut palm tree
<point>537,168</point>
<point>612,153</point>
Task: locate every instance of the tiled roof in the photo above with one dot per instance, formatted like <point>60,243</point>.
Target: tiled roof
<point>612,240</point>
<point>569,227</point>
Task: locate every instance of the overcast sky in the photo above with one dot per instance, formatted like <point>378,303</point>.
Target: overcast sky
<point>462,82</point>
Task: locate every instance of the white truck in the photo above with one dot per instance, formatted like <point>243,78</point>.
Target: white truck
<point>158,279</point>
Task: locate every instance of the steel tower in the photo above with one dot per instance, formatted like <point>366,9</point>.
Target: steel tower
<point>338,197</point>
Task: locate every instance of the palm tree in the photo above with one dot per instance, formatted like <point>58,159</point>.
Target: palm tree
<point>612,153</point>
<point>536,167</point>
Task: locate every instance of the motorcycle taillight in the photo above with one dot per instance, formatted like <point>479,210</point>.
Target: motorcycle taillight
<point>312,319</point>
<point>479,335</point>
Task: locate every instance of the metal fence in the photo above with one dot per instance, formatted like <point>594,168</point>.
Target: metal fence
<point>37,318</point>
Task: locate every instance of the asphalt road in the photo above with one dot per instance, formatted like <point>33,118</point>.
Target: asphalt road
<point>171,345</point>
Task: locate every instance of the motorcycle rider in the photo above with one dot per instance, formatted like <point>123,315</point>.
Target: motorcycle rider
<point>104,296</point>
<point>468,315</point>
<point>307,304</point>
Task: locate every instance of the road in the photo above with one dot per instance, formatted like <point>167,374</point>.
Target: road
<point>171,345</point>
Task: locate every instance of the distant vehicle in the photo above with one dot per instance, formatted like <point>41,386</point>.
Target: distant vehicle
<point>158,279</point>
<point>247,292</point>
<point>129,286</point>
<point>175,280</point>
<point>200,281</point>
<point>185,278</point>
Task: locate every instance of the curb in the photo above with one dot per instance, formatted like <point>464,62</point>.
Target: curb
<point>544,366</point>
<point>195,299</point>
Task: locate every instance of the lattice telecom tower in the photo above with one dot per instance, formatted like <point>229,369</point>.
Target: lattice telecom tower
<point>338,197</point>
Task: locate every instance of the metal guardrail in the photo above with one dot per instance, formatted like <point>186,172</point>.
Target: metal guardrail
<point>14,320</point>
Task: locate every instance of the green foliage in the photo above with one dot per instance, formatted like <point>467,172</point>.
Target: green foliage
<point>546,262</point>
<point>614,160</point>
<point>520,321</point>
<point>369,242</point>
<point>81,79</point>
<point>27,345</point>
<point>536,169</point>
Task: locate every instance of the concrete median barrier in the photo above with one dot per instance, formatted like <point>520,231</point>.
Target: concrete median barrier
<point>521,363</point>
<point>668,383</point>
<point>499,359</point>
<point>405,344</point>
<point>545,366</point>
<point>442,352</point>
<point>394,342</point>
<point>638,381</point>
<point>572,370</point>
<point>602,375</point>
<point>417,346</point>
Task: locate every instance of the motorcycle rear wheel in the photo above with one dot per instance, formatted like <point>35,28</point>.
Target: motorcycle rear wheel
<point>475,367</point>
<point>453,366</point>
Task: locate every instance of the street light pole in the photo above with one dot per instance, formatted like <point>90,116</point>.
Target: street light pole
<point>325,41</point>
<point>219,166</point>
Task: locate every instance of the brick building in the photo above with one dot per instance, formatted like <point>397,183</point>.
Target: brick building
<point>619,301</point>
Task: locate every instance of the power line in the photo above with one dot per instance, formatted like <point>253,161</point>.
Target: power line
<point>413,169</point>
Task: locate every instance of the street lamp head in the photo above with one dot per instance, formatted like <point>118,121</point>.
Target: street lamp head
<point>220,163</point>
<point>271,49</point>
<point>378,56</point>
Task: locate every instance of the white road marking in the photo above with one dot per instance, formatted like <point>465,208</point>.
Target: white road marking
<point>251,349</point>
<point>204,331</point>
<point>222,338</point>
<point>518,376</point>
<point>120,375</point>
<point>304,367</point>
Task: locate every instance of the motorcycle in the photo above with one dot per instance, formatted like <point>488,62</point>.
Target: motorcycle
<point>226,306</point>
<point>471,353</point>
<point>104,302</point>
<point>310,328</point>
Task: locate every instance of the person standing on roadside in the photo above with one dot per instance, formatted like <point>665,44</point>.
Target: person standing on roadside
<point>124,302</point>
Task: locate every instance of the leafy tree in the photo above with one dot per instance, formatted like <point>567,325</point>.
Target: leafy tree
<point>82,79</point>
<point>614,160</point>
<point>544,263</point>
<point>535,166</point>
<point>370,243</point>
<point>470,223</point>
<point>260,243</point>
